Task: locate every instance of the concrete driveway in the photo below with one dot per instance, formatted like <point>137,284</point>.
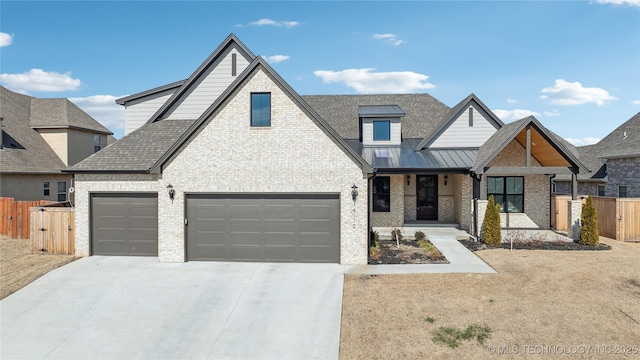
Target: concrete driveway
<point>138,308</point>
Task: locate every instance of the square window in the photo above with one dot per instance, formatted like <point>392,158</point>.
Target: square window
<point>261,109</point>
<point>622,191</point>
<point>381,130</point>
<point>508,191</point>
<point>382,194</point>
<point>600,190</point>
<point>46,188</point>
<point>62,191</point>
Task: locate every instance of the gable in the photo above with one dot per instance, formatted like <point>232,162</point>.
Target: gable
<point>294,149</point>
<point>210,84</point>
<point>472,127</point>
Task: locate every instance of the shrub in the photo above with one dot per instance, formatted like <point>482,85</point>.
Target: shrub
<point>395,232</point>
<point>419,235</point>
<point>491,224</point>
<point>589,234</point>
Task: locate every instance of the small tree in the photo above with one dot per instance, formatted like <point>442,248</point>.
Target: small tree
<point>491,224</point>
<point>589,234</point>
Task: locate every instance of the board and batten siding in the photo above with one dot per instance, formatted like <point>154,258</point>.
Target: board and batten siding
<point>395,133</point>
<point>139,111</point>
<point>460,134</point>
<point>212,83</point>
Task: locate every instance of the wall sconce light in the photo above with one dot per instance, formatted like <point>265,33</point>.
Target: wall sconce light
<point>445,180</point>
<point>172,193</point>
<point>354,192</point>
<point>408,179</point>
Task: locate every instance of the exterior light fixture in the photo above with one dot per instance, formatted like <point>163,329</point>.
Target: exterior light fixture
<point>446,177</point>
<point>408,179</point>
<point>172,193</point>
<point>354,192</point>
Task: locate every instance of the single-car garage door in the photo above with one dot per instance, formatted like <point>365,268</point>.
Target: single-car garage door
<point>124,224</point>
<point>263,227</point>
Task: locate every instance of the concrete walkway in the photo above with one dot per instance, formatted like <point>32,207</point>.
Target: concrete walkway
<point>461,259</point>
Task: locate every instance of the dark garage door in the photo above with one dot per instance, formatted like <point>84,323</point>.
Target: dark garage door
<point>264,227</point>
<point>124,224</point>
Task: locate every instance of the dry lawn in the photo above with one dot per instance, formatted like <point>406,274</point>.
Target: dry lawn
<point>19,267</point>
<point>556,299</point>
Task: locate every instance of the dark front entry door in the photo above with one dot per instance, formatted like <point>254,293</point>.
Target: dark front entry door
<point>427,193</point>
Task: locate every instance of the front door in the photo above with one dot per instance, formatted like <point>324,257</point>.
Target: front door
<point>427,193</point>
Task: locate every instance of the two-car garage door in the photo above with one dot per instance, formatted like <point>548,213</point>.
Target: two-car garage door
<point>223,227</point>
<point>263,227</point>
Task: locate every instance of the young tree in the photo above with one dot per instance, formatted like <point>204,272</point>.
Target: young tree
<point>491,224</point>
<point>589,234</point>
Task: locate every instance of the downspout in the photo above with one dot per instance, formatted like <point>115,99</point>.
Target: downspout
<point>550,197</point>
<point>370,228</point>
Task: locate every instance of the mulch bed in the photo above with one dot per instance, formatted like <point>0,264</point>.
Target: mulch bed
<point>535,245</point>
<point>409,252</point>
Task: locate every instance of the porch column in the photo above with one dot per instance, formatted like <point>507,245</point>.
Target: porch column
<point>574,186</point>
<point>575,212</point>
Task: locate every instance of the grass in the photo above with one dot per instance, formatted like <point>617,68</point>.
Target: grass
<point>453,337</point>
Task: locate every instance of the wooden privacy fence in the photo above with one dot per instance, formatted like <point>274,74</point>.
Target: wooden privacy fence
<point>618,218</point>
<point>14,217</point>
<point>52,230</point>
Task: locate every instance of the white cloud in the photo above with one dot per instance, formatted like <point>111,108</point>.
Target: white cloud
<point>40,80</point>
<point>516,114</point>
<point>573,93</point>
<point>512,101</point>
<point>269,22</point>
<point>102,108</point>
<point>635,102</point>
<point>274,59</point>
<point>366,81</point>
<point>621,2</point>
<point>5,39</point>
<point>583,141</point>
<point>552,113</point>
<point>388,38</point>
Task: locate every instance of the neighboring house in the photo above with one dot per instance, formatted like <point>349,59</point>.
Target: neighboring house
<point>232,164</point>
<point>40,137</point>
<point>615,164</point>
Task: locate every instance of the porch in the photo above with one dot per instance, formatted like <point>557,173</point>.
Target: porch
<point>430,228</point>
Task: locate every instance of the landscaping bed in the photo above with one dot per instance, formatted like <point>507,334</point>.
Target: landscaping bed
<point>407,252</point>
<point>534,245</point>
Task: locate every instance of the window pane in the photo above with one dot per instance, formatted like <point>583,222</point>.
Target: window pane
<point>495,185</point>
<point>46,187</point>
<point>62,186</point>
<point>600,190</point>
<point>381,130</point>
<point>515,204</point>
<point>514,185</point>
<point>622,191</point>
<point>499,199</point>
<point>261,109</point>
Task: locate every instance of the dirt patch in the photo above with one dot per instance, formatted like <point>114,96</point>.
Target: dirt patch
<point>407,252</point>
<point>19,267</point>
<point>583,304</point>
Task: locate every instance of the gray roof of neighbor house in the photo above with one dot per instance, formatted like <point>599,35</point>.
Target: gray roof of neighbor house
<point>624,141</point>
<point>24,149</point>
<point>423,112</point>
<point>62,113</point>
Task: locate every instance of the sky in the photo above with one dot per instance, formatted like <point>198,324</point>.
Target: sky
<point>574,65</point>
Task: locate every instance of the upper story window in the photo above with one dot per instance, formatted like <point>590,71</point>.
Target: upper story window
<point>97,144</point>
<point>622,191</point>
<point>260,109</point>
<point>62,191</point>
<point>508,191</point>
<point>600,190</point>
<point>381,130</point>
<point>46,188</point>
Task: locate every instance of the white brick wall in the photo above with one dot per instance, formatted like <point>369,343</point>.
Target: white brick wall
<point>291,156</point>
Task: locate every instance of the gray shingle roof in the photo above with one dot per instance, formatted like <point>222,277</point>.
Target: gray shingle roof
<point>62,113</point>
<point>380,110</point>
<point>423,112</point>
<point>139,151</point>
<point>25,151</point>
